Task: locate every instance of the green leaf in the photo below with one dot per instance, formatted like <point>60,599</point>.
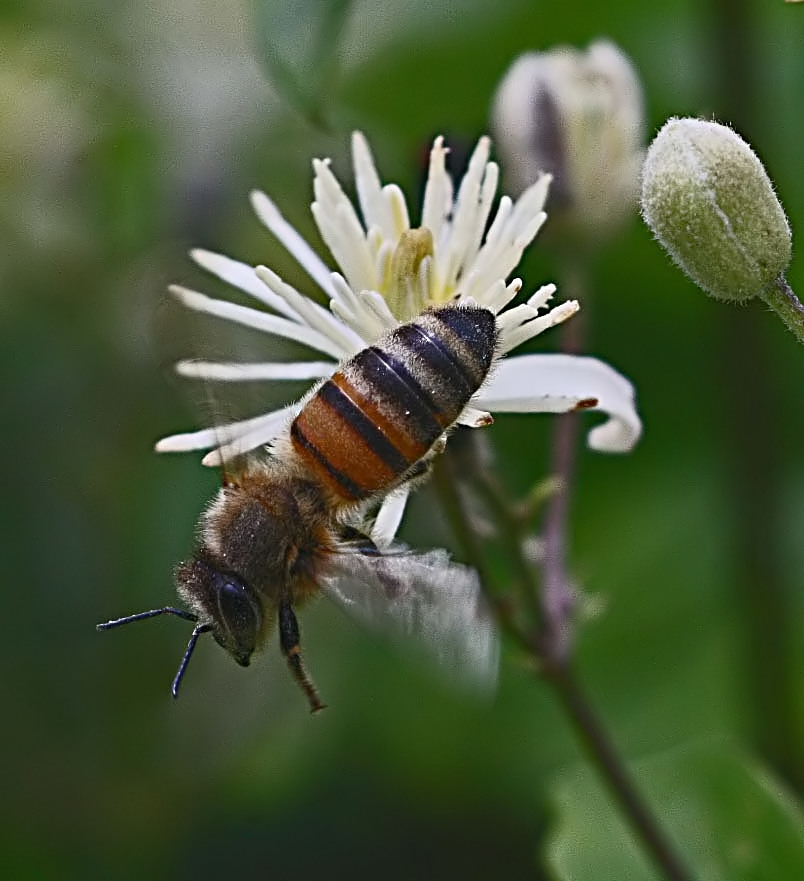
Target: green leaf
<point>727,815</point>
<point>299,42</point>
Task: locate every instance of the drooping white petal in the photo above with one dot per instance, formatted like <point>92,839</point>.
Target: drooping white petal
<point>250,434</point>
<point>221,434</point>
<point>305,256</point>
<point>560,383</point>
<point>257,320</point>
<point>225,371</point>
<point>389,516</point>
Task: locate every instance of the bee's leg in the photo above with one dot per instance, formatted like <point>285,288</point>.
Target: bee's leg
<point>357,541</point>
<point>422,469</point>
<point>289,643</point>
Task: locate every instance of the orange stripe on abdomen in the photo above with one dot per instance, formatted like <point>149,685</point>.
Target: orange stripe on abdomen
<point>339,442</point>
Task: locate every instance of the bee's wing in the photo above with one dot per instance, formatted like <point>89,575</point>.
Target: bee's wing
<point>423,596</point>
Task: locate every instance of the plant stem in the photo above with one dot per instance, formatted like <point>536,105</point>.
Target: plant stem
<point>557,673</point>
<point>786,305</point>
<point>557,595</point>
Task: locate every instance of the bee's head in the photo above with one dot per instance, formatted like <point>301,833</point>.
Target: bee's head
<point>226,602</point>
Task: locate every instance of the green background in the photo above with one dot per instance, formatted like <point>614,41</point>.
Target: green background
<point>131,132</point>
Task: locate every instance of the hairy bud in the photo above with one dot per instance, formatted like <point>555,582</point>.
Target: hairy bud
<point>709,201</point>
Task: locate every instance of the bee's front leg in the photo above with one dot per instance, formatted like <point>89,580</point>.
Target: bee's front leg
<point>289,643</point>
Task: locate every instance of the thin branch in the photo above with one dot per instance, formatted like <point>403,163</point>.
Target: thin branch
<point>558,597</point>
<point>781,298</point>
<point>558,674</point>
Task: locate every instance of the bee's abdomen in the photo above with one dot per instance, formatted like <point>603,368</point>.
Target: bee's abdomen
<point>387,406</point>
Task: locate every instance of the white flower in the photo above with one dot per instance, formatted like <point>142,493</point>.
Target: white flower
<point>580,116</point>
<point>388,274</point>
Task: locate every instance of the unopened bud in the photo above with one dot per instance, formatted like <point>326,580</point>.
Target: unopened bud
<point>579,116</point>
<point>709,201</point>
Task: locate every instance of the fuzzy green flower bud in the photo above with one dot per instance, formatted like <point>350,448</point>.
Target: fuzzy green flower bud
<point>709,201</point>
<point>579,116</point>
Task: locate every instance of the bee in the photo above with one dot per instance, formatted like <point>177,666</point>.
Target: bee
<point>282,527</point>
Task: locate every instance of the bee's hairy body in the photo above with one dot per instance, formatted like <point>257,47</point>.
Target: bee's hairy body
<point>359,434</point>
<point>364,428</point>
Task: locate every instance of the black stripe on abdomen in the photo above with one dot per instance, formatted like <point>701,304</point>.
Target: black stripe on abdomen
<point>337,397</point>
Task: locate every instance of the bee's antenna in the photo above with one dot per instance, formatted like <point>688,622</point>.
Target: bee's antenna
<point>167,610</point>
<point>151,613</point>
<point>197,631</point>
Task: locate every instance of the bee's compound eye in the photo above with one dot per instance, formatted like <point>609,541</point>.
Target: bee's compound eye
<point>239,620</point>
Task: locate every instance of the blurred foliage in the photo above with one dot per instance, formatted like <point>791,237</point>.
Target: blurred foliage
<point>720,808</point>
<point>133,131</point>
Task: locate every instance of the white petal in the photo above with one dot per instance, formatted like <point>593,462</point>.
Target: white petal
<point>389,517</point>
<point>437,191</point>
<point>243,372</point>
<point>471,417</point>
<point>241,276</point>
<point>397,209</point>
<point>307,258</point>
<point>220,434</point>
<point>542,296</point>
<point>500,220</point>
<point>560,383</point>
<point>500,258</point>
<point>466,212</point>
<point>340,228</point>
<point>515,336</point>
<point>315,316</point>
<point>262,430</point>
<point>376,305</point>
<point>498,295</point>
<point>488,190</point>
<point>353,311</point>
<point>258,320</point>
<point>369,187</point>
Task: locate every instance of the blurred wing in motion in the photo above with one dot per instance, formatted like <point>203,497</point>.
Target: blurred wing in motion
<point>425,597</point>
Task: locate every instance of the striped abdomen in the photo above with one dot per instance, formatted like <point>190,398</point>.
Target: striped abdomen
<point>386,407</point>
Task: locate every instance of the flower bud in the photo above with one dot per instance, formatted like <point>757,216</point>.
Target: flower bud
<point>709,201</point>
<point>579,116</point>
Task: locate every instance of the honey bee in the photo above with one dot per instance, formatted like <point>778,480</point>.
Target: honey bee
<point>282,527</point>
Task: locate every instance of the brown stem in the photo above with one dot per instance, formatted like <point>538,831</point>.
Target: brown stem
<point>557,595</point>
<point>782,299</point>
<point>560,676</point>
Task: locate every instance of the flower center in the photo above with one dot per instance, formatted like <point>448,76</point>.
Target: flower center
<point>408,281</point>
